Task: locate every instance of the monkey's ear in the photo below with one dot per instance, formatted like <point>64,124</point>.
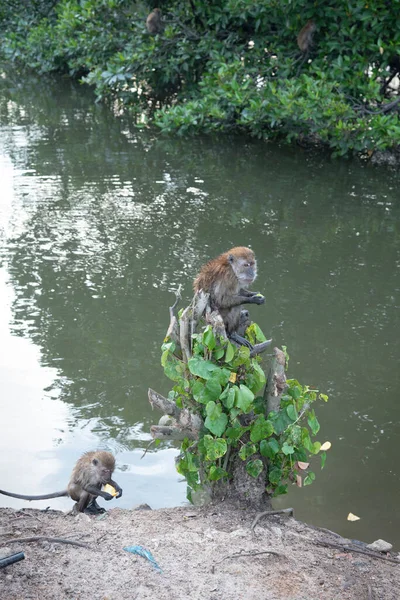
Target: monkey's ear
<point>95,461</point>
<point>231,258</point>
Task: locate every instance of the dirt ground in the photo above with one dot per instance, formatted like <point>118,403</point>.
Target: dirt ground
<point>204,555</point>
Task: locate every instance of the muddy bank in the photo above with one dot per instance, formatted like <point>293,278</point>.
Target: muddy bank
<point>204,555</point>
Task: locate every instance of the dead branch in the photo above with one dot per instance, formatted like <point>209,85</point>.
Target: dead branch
<point>268,513</point>
<point>276,382</point>
<point>167,407</point>
<point>184,334</point>
<point>41,538</point>
<point>173,323</point>
<point>346,548</point>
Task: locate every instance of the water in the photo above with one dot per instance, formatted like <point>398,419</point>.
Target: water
<point>100,223</point>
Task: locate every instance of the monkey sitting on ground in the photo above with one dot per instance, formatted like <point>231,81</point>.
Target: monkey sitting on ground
<point>154,22</point>
<point>226,279</point>
<point>91,471</point>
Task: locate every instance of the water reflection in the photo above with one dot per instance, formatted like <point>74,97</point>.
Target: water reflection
<point>99,223</point>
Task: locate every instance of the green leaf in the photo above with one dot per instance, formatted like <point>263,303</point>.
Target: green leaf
<point>254,467</point>
<point>324,397</point>
<point>269,449</point>
<point>215,447</point>
<point>202,368</point>
<point>209,338</point>
<point>244,398</point>
<point>261,429</point>
<point>306,440</point>
<point>217,426</point>
<point>323,459</point>
<point>309,479</point>
<point>229,400</point>
<point>274,475</point>
<point>235,433</point>
<point>286,449</point>
<point>247,450</point>
<point>291,412</point>
<point>230,353</point>
<point>313,423</point>
<point>216,420</point>
<point>216,473</point>
<point>218,353</point>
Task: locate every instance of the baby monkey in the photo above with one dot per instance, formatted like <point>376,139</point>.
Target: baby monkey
<point>91,472</point>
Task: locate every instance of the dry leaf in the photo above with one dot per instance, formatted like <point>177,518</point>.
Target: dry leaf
<point>325,446</point>
<point>299,481</point>
<point>232,377</point>
<point>303,465</point>
<point>351,517</point>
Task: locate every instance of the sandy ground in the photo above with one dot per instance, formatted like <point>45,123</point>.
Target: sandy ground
<point>204,555</point>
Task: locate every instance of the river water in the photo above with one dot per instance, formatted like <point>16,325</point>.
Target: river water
<point>100,223</point>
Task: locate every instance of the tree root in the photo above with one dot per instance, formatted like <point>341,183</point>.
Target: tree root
<point>346,548</point>
<point>268,513</point>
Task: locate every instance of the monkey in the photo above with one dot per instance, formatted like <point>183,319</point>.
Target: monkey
<point>92,470</point>
<point>305,37</point>
<point>154,22</point>
<point>226,279</point>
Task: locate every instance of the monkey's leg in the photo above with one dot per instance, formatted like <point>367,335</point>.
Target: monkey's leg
<point>93,508</point>
<point>83,501</point>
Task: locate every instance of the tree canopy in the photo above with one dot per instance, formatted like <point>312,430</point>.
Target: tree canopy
<point>227,65</point>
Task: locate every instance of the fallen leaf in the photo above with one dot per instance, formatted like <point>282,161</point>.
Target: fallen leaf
<point>232,377</point>
<point>303,465</point>
<point>351,517</point>
<point>326,446</point>
<point>299,481</point>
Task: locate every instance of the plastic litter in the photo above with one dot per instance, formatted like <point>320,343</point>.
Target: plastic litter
<point>141,551</point>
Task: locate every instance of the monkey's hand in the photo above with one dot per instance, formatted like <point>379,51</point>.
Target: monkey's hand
<point>257,299</point>
<point>118,490</point>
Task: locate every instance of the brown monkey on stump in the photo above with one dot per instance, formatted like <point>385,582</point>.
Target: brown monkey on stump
<point>91,471</point>
<point>305,37</point>
<point>226,279</point>
<point>154,22</point>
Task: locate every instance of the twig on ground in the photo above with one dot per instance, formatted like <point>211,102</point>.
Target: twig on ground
<point>42,538</point>
<point>346,548</point>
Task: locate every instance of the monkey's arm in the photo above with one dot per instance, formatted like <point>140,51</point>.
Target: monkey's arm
<point>247,293</point>
<point>116,486</point>
<point>238,299</point>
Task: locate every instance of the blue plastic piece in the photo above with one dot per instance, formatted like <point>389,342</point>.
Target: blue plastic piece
<point>141,551</point>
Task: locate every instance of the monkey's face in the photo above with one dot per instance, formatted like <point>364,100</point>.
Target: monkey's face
<point>103,471</point>
<point>245,270</point>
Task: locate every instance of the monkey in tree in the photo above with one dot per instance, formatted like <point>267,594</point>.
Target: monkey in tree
<point>226,279</point>
<point>305,37</point>
<point>91,472</point>
<point>154,22</point>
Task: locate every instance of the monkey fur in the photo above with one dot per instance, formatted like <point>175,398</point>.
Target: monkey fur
<point>154,22</point>
<point>92,470</point>
<point>305,37</point>
<point>226,279</point>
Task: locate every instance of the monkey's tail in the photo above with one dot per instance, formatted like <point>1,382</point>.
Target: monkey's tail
<point>43,497</point>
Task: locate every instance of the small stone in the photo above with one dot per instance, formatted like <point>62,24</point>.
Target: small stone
<point>380,546</point>
<point>143,506</point>
<point>9,577</point>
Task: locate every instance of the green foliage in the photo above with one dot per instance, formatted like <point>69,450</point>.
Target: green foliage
<point>225,66</point>
<point>222,388</point>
